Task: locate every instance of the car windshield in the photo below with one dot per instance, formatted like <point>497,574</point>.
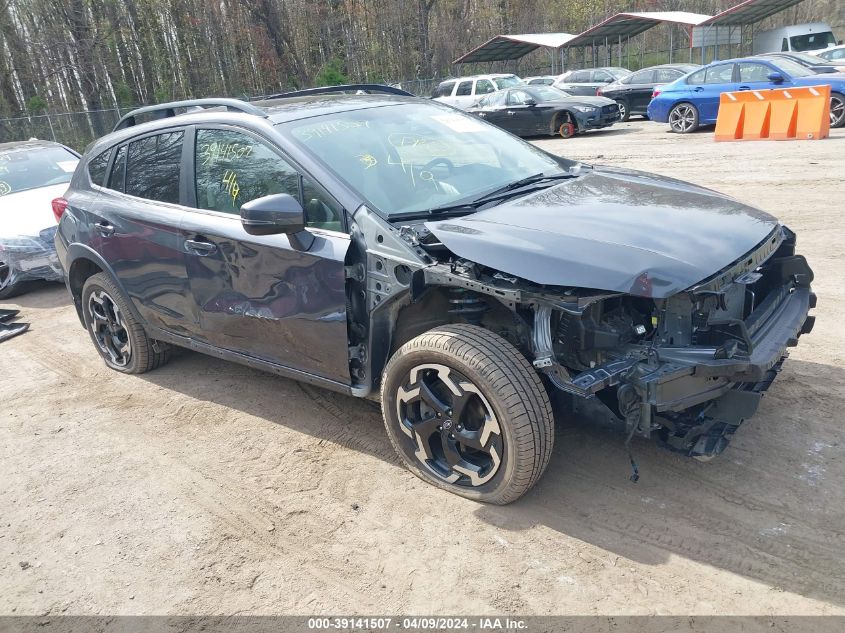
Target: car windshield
<point>413,157</point>
<point>33,167</point>
<point>812,41</point>
<point>506,82</point>
<point>618,73</point>
<point>792,68</point>
<point>547,93</point>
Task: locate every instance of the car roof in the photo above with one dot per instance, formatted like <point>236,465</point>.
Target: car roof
<point>275,111</point>
<point>22,145</point>
<point>484,76</point>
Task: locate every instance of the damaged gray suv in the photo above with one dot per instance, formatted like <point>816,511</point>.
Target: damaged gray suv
<point>391,247</point>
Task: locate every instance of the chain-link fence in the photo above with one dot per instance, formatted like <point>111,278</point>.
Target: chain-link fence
<point>78,129</point>
<point>74,129</point>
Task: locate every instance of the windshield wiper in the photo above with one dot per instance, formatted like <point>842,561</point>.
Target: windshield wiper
<point>500,193</point>
<point>507,190</point>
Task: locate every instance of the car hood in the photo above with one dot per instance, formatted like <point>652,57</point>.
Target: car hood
<point>28,212</point>
<point>611,229</point>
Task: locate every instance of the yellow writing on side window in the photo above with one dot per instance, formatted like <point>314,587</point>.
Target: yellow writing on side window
<point>212,152</point>
<point>230,182</point>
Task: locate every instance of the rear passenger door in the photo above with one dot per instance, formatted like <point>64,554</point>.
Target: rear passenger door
<point>717,79</point>
<point>136,227</point>
<point>639,89</point>
<point>258,295</point>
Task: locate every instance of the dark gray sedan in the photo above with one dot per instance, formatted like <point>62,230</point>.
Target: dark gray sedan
<point>535,110</point>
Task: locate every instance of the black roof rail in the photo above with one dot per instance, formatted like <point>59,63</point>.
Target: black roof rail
<point>165,110</point>
<point>368,88</point>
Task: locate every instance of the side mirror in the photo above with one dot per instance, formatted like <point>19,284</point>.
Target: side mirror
<point>530,102</point>
<point>275,214</point>
<point>776,78</point>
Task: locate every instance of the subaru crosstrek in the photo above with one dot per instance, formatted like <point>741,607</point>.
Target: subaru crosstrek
<point>392,247</point>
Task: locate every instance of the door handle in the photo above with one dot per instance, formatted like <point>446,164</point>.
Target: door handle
<point>511,112</point>
<point>698,89</point>
<point>200,248</point>
<point>744,88</point>
<point>104,228</point>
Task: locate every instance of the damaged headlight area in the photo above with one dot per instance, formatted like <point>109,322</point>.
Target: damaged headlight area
<point>26,258</point>
<point>688,369</point>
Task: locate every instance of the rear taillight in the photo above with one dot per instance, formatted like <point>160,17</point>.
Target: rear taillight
<point>598,92</point>
<point>59,206</point>
<point>655,93</point>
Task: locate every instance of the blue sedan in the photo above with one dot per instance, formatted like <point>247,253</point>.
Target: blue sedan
<point>693,100</point>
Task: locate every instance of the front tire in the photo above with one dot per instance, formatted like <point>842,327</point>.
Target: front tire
<point>466,412</point>
<point>837,109</point>
<point>683,118</point>
<point>117,335</point>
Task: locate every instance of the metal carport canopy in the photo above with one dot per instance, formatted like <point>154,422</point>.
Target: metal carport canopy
<point>631,24</point>
<point>749,12</point>
<point>507,47</point>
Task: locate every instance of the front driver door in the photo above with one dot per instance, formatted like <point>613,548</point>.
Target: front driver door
<point>259,295</point>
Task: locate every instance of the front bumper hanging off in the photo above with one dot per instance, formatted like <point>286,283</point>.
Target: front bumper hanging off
<point>695,397</point>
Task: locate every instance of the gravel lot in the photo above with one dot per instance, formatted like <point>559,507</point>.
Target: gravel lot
<point>206,487</point>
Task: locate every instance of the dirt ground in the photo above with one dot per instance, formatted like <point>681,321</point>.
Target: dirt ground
<point>206,487</point>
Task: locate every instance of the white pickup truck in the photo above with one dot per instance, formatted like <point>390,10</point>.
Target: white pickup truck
<point>463,92</point>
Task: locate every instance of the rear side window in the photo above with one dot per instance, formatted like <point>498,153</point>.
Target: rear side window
<point>697,78</point>
<point>152,167</point>
<point>464,89</point>
<point>719,74</point>
<point>97,167</point>
<point>641,77</point>
<point>118,171</point>
<point>666,75</point>
<point>602,76</point>
<point>444,89</point>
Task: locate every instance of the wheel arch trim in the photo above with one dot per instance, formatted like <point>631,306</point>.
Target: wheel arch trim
<point>77,252</point>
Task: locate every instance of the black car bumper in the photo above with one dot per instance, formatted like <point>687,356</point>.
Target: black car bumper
<point>604,117</point>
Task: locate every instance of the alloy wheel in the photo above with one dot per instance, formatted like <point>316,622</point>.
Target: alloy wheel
<point>623,110</point>
<point>109,328</point>
<point>454,430</point>
<point>837,110</point>
<point>682,118</point>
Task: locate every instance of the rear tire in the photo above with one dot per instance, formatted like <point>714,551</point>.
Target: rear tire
<point>117,335</point>
<point>683,118</point>
<point>837,109</point>
<point>466,412</point>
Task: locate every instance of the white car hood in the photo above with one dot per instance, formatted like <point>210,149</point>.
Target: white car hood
<point>28,212</point>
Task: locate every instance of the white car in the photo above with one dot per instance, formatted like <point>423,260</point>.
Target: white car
<point>32,175</point>
<point>463,92</point>
<point>834,53</point>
